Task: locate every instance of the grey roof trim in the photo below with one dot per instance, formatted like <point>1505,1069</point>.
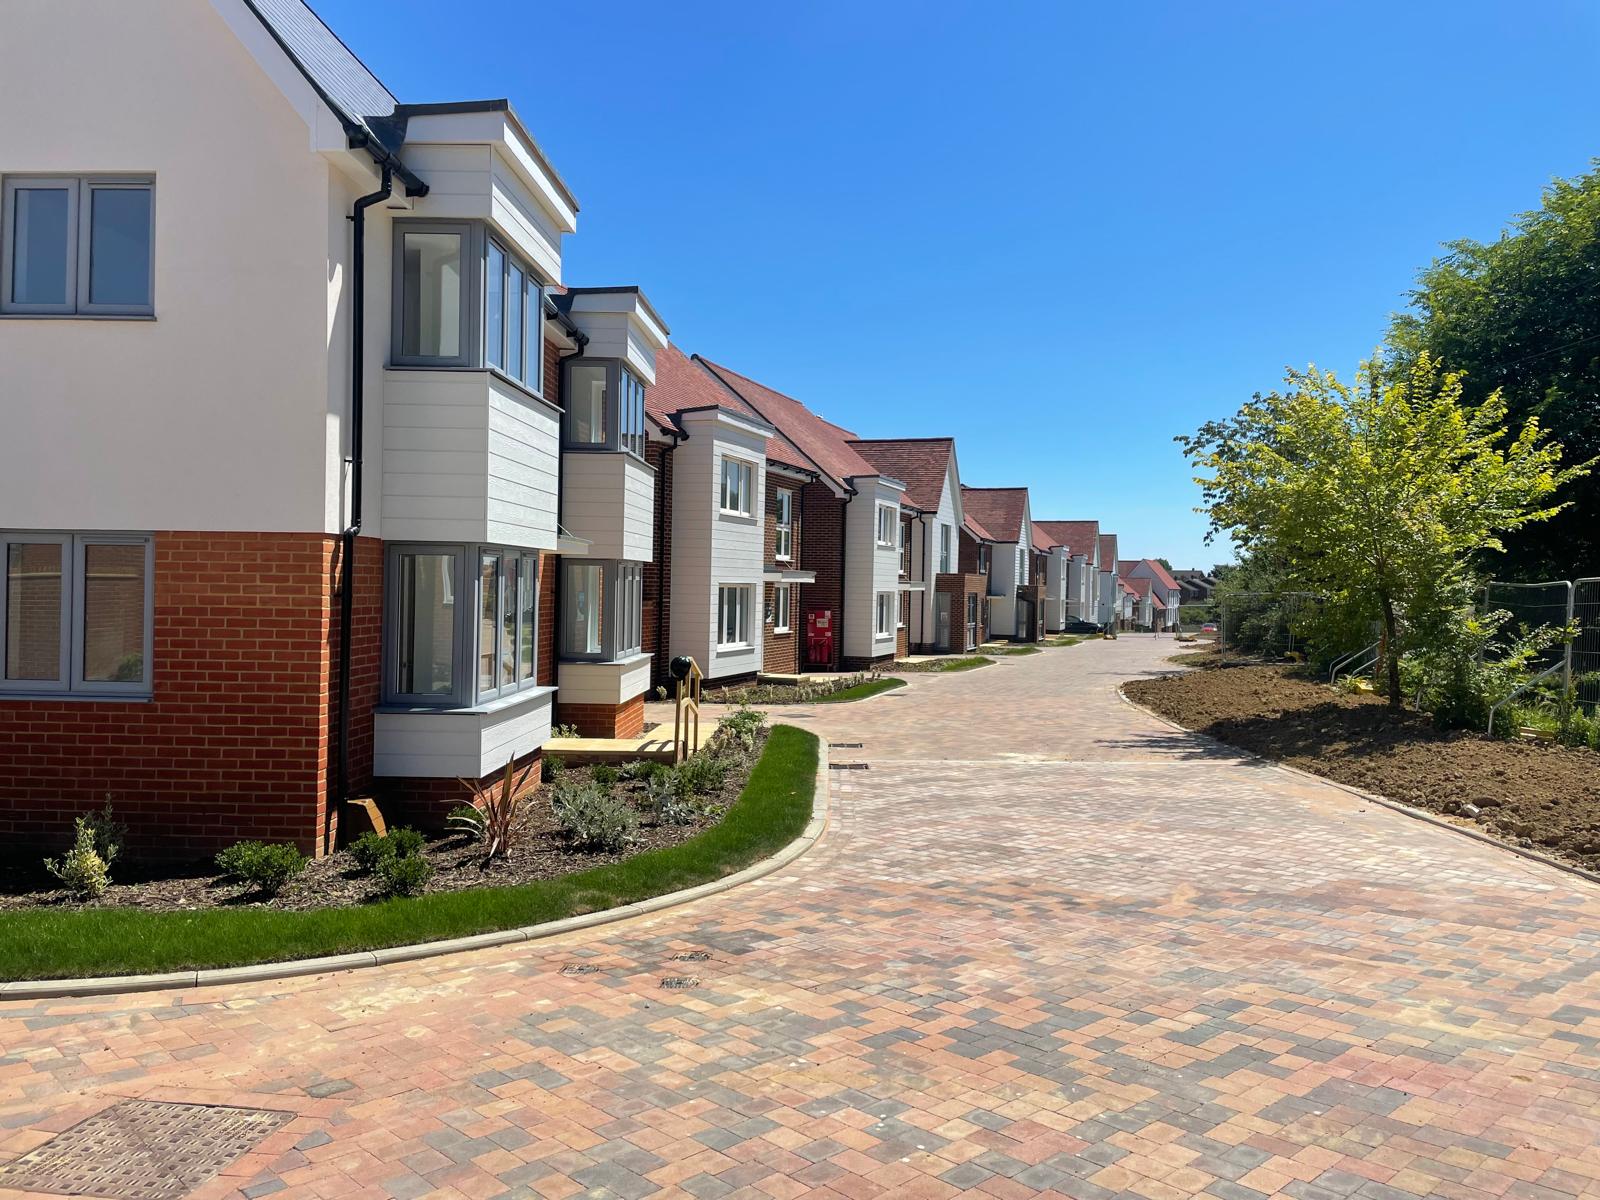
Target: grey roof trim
<point>622,289</point>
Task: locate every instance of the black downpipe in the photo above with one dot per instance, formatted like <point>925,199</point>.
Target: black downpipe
<point>347,546</point>
<point>661,555</point>
<point>582,341</point>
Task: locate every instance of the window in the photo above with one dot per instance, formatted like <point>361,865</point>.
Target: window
<point>733,616</point>
<point>78,245</point>
<point>630,413</point>
<point>904,599</point>
<point>585,398</point>
<point>1022,566</point>
<point>783,526</point>
<point>888,514</point>
<point>605,406</point>
<point>944,549</point>
<point>433,276</point>
<point>983,559</point>
<point>780,608</point>
<point>513,318</point>
<point>602,609</point>
<point>905,549</point>
<point>439,652</point>
<point>75,613</point>
<point>886,606</point>
<point>736,487</point>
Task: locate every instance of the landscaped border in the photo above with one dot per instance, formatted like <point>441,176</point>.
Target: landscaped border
<point>783,808</point>
<point>865,690</point>
<point>1405,810</point>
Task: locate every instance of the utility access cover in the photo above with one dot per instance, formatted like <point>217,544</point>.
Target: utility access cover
<point>141,1150</point>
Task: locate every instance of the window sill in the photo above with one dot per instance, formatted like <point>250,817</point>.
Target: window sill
<point>498,704</point>
<point>80,697</point>
<point>734,647</point>
<point>735,514</point>
<point>25,316</point>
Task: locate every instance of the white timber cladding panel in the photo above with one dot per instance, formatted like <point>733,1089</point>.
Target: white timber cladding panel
<point>467,457</point>
<point>869,568</point>
<point>609,499</point>
<point>475,182</point>
<point>214,415</point>
<point>711,549</point>
<point>455,745</point>
<point>946,515</point>
<point>604,682</point>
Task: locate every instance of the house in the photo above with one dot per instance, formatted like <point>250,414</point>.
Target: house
<point>976,563</point>
<point>1053,562</point>
<point>943,597</point>
<point>1195,585</point>
<point>1109,592</point>
<point>375,546</point>
<point>1082,539</point>
<point>1164,591</point>
<point>1128,605</point>
<point>857,596</point>
<point>1144,602</point>
<point>1016,594</point>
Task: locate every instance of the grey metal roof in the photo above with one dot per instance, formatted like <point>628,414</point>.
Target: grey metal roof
<point>342,79</point>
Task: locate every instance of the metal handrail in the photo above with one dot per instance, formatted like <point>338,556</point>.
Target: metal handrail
<point>1333,673</point>
<point>1494,708</point>
<point>688,706</point>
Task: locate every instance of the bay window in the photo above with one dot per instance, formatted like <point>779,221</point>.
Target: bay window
<point>455,655</point>
<point>604,406</point>
<point>888,514</point>
<point>602,609</point>
<point>733,615</point>
<point>783,526</point>
<point>737,487</point>
<point>76,613</point>
<point>78,245</point>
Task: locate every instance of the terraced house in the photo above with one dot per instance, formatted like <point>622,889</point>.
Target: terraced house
<point>1016,592</point>
<point>293,509</point>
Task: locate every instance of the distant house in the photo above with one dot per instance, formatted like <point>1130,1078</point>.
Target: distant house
<point>1082,542</point>
<point>1109,595</point>
<point>1197,586</point>
<point>1016,594</point>
<point>1164,591</point>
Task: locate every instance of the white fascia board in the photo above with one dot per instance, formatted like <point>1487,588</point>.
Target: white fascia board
<point>727,419</point>
<point>325,129</point>
<point>495,128</point>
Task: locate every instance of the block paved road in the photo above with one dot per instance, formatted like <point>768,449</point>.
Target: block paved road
<point>1047,946</point>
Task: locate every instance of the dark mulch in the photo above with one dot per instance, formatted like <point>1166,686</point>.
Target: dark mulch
<point>540,852</point>
<point>1532,794</point>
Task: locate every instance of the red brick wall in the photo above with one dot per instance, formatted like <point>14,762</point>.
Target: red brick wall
<point>237,739</point>
<point>959,588</point>
<point>821,551</point>
<point>780,652</point>
<point>658,574</point>
<point>625,720</point>
<point>425,803</point>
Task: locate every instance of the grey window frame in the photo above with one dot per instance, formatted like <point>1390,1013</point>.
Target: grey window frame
<point>619,395</point>
<point>467,585</point>
<point>70,669</point>
<point>532,301</point>
<point>80,220</point>
<point>621,610</point>
<point>470,334</point>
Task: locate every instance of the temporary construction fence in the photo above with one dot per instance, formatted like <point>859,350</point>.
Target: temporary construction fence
<point>1263,624</point>
<point>1574,663</point>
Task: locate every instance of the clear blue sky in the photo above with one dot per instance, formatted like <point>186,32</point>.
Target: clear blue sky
<point>1062,232</point>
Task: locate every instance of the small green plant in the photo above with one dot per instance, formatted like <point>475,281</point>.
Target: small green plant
<point>499,806</point>
<point>466,820</point>
<point>371,850</point>
<point>551,767</point>
<point>669,801</point>
<point>604,774</point>
<point>406,841</point>
<point>265,865</point>
<point>404,874</point>
<point>81,870</point>
<point>639,768</point>
<point>743,727</point>
<point>702,774</point>
<point>593,819</point>
<point>108,832</point>
<point>565,731</point>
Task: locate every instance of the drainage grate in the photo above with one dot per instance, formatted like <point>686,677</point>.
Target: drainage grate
<point>680,983</point>
<point>844,745</point>
<point>849,767</point>
<point>692,956</point>
<point>579,969</point>
<point>142,1150</point>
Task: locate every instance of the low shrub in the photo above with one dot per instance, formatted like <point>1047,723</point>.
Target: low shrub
<point>640,768</point>
<point>109,833</point>
<point>82,870</point>
<point>604,774</point>
<point>371,850</point>
<point>465,819</point>
<point>265,865</point>
<point>702,774</point>
<point>593,819</point>
<point>669,801</point>
<point>743,727</point>
<point>565,731</point>
<point>404,874</point>
<point>551,767</point>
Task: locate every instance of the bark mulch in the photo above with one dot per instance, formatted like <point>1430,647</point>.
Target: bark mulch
<point>540,852</point>
<point>1536,795</point>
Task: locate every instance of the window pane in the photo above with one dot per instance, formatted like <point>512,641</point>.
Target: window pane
<point>431,320</point>
<point>119,246</point>
<point>586,404</point>
<point>494,301</point>
<point>529,598</point>
<point>488,619</point>
<point>39,245</point>
<point>580,607</point>
<point>113,613</point>
<point>426,634</point>
<point>508,624</point>
<point>33,610</point>
<point>514,323</point>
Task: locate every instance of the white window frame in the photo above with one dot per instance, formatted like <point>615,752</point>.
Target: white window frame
<point>901,600</point>
<point>783,526</point>
<point>782,603</point>
<point>739,500</point>
<point>80,219</point>
<point>888,518</point>
<point>733,608</point>
<point>945,540</point>
<point>69,674</point>
<point>905,549</point>
<point>884,626</point>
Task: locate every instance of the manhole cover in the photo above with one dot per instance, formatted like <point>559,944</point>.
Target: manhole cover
<point>142,1150</point>
<point>692,956</point>
<point>579,969</point>
<point>680,983</point>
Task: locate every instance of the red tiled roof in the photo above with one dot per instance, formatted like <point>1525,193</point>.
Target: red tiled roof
<point>824,443</point>
<point>999,509</point>
<point>681,385</point>
<point>1139,585</point>
<point>1156,569</point>
<point>976,529</point>
<point>1157,602</point>
<point>1077,536</point>
<point>1108,550</point>
<point>1042,541</point>
<point>922,464</point>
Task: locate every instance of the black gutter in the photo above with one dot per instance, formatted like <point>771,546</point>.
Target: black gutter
<point>347,545</point>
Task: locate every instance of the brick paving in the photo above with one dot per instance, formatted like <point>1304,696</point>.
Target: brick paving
<point>1046,947</point>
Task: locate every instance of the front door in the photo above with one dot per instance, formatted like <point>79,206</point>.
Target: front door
<point>941,622</point>
<point>1025,619</point>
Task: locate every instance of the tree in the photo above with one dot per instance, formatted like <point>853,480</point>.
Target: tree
<point>1167,566</point>
<point>1521,316</point>
<point>1380,497</point>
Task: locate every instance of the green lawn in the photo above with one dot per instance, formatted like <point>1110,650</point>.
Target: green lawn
<point>860,691</point>
<point>1013,651</point>
<point>965,663</point>
<point>770,813</point>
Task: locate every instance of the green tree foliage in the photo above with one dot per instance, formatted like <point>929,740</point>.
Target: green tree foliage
<point>1521,316</point>
<point>1380,497</point>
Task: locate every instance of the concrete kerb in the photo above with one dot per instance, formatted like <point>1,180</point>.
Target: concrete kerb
<point>111,985</point>
<point>1404,810</point>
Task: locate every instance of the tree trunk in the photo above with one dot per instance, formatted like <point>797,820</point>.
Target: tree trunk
<point>1391,659</point>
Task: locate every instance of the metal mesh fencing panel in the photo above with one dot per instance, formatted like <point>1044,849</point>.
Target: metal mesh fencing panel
<point>1532,606</point>
<point>1586,645</point>
<point>1264,624</point>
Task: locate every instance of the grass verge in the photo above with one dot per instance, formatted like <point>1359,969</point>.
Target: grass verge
<point>770,813</point>
<point>860,691</point>
<point>1013,651</point>
<point>943,666</point>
